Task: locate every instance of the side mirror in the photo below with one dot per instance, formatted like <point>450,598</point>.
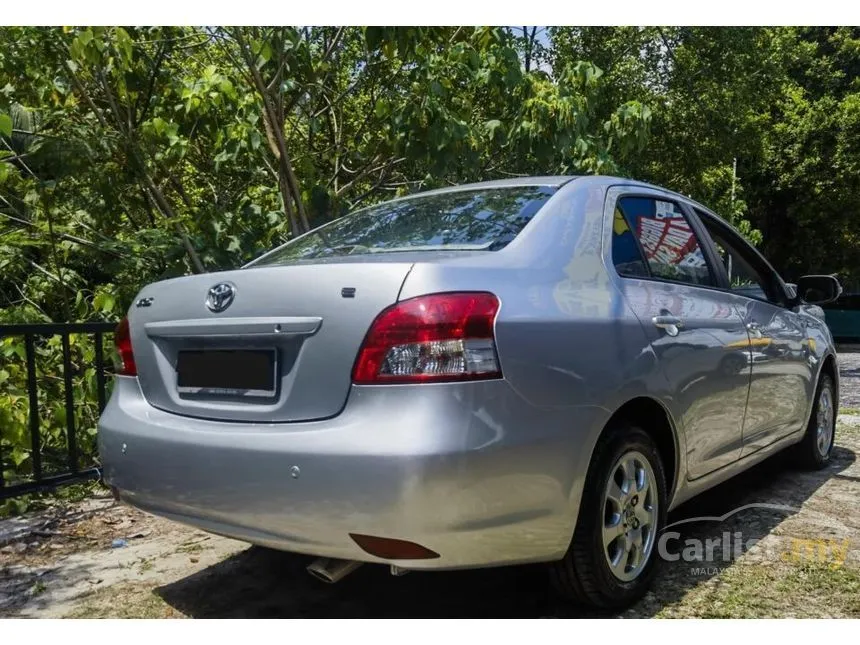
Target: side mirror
<point>818,289</point>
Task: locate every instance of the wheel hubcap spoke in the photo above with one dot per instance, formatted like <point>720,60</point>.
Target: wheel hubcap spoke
<point>611,532</point>
<point>620,566</point>
<point>642,485</point>
<point>616,495</point>
<point>644,515</point>
<point>635,559</point>
<point>629,469</point>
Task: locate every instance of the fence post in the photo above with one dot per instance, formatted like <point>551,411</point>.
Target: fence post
<point>71,439</point>
<point>100,371</point>
<point>21,484</point>
<point>33,418</point>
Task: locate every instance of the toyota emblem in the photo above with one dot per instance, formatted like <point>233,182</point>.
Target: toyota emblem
<point>220,296</point>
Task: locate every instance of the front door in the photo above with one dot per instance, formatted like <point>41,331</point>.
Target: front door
<point>694,328</point>
<point>783,374</point>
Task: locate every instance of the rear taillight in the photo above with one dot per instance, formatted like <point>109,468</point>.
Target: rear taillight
<point>125,355</point>
<point>440,337</point>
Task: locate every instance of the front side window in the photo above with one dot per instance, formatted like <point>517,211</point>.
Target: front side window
<point>744,278</point>
<point>652,237</point>
<point>472,220</point>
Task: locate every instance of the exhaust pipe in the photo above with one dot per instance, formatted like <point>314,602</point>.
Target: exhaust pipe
<point>331,570</point>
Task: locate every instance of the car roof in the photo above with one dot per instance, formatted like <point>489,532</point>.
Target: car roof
<point>627,181</point>
<point>554,181</point>
<point>551,181</point>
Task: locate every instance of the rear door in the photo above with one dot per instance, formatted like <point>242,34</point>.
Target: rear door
<point>669,281</point>
<point>782,381</point>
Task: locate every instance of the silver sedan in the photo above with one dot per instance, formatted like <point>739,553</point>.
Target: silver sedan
<point>533,370</point>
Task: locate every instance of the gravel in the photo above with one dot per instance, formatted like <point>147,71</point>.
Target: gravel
<point>849,378</point>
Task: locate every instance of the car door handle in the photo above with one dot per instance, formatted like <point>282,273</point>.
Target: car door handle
<point>754,329</point>
<point>670,324</point>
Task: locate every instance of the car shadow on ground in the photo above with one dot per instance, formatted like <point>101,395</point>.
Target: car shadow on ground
<point>262,583</point>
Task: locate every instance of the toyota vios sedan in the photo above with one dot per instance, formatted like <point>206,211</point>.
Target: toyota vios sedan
<point>532,370</point>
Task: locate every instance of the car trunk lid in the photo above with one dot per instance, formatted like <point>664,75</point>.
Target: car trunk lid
<point>303,322</point>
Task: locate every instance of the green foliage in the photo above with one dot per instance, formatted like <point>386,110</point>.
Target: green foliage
<point>810,175</point>
<point>129,155</point>
<point>780,103</point>
<point>15,441</point>
<point>137,154</point>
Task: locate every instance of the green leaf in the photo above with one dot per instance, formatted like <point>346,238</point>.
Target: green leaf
<point>6,125</point>
<point>19,456</point>
<point>491,126</point>
<point>227,88</point>
<point>85,37</point>
<point>265,54</point>
<point>124,43</point>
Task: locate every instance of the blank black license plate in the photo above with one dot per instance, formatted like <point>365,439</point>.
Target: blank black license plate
<point>234,372</point>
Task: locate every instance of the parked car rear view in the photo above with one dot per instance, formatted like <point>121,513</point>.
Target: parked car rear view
<point>526,370</point>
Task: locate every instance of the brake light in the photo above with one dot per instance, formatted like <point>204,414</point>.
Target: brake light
<point>122,343</point>
<point>440,337</point>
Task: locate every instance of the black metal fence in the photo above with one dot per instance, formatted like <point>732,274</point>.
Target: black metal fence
<point>72,469</point>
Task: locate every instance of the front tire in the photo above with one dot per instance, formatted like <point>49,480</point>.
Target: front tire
<point>612,557</point>
<point>814,450</point>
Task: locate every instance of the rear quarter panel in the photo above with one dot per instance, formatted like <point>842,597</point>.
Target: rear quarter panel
<point>569,346</point>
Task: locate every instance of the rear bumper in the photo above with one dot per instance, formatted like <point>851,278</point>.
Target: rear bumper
<point>470,471</point>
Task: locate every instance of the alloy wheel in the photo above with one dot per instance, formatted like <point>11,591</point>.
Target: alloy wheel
<point>629,515</point>
<point>824,421</point>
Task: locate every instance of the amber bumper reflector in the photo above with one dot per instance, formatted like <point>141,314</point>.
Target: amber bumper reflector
<point>390,549</point>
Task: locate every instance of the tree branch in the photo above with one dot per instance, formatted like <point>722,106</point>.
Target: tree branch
<point>269,112</point>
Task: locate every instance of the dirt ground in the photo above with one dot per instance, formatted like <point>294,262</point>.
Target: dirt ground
<point>64,562</point>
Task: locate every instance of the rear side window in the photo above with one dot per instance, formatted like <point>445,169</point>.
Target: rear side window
<point>473,220</point>
<point>652,238</point>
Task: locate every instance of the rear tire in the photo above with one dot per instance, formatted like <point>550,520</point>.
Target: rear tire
<point>595,570</point>
<point>814,450</point>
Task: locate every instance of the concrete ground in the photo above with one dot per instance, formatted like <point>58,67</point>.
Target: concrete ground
<point>63,562</point>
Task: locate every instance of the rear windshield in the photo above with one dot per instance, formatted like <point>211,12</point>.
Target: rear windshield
<point>474,220</point>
